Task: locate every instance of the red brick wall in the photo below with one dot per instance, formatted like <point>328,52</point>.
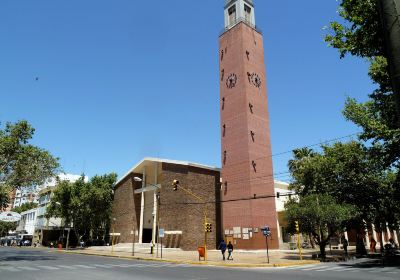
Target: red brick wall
<point>242,180</point>
<point>126,209</point>
<point>181,212</point>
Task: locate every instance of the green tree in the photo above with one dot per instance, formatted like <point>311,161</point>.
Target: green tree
<point>319,215</point>
<point>86,206</point>
<point>22,164</point>
<point>361,35</point>
<point>347,172</point>
<point>5,227</point>
<point>25,207</point>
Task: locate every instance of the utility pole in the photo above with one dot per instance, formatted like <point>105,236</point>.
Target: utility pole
<point>390,18</point>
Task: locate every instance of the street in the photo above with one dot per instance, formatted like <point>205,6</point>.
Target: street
<point>22,263</point>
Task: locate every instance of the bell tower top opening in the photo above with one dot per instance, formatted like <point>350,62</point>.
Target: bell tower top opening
<point>237,11</point>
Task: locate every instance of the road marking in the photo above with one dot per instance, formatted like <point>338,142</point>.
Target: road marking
<point>102,265</point>
<point>27,268</point>
<point>300,267</point>
<point>48,267</point>
<point>83,266</point>
<point>330,268</point>
<point>315,268</point>
<point>349,269</point>
<point>123,265</point>
<point>9,268</point>
<point>66,266</point>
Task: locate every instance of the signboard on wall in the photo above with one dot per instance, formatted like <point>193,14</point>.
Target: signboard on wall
<point>10,217</point>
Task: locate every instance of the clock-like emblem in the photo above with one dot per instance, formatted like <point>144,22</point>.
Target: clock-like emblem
<point>254,79</point>
<point>231,81</point>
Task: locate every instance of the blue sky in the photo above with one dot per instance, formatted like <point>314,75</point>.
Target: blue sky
<point>124,79</point>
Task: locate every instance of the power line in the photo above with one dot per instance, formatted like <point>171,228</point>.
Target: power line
<point>309,146</point>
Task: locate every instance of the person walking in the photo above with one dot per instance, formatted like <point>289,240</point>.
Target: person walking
<point>230,250</point>
<point>372,246</point>
<point>345,245</point>
<point>222,247</point>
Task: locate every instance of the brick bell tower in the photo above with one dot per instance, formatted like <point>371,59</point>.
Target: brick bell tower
<point>247,172</point>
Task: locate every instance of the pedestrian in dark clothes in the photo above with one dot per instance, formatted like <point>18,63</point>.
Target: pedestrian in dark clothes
<point>230,250</point>
<point>222,247</point>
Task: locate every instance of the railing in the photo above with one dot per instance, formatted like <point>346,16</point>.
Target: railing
<point>229,2</point>
<point>239,20</point>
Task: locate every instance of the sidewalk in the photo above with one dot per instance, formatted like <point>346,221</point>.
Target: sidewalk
<point>241,258</point>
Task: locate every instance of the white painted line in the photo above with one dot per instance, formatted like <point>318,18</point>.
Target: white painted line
<point>315,268</point>
<point>83,266</point>
<point>102,265</point>
<point>27,268</point>
<point>330,268</point>
<point>300,266</point>
<point>66,266</point>
<point>349,269</point>
<point>9,268</point>
<point>48,267</point>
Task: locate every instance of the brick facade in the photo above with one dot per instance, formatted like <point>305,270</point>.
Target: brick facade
<point>126,209</point>
<point>246,146</point>
<point>178,211</point>
<point>181,212</point>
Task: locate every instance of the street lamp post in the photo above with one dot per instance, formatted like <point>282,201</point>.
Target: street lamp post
<point>176,185</point>
<point>112,238</point>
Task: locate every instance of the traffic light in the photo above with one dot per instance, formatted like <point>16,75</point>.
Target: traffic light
<point>175,185</point>
<point>296,223</point>
<point>208,227</point>
<point>266,231</point>
<point>278,194</point>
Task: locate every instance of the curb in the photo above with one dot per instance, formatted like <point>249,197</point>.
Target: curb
<point>217,264</point>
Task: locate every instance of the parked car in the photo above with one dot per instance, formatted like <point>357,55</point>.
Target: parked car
<point>27,242</point>
<point>391,254</point>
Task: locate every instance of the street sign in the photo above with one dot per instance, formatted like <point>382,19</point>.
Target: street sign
<point>161,233</point>
<point>10,217</point>
<point>266,231</point>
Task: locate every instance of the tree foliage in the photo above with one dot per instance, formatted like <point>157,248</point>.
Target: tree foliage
<point>22,164</point>
<point>361,34</point>
<point>349,173</point>
<point>319,215</point>
<point>25,207</point>
<point>5,227</point>
<point>86,206</point>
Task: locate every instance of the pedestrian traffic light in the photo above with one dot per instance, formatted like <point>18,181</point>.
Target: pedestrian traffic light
<point>296,223</point>
<point>208,227</point>
<point>175,185</point>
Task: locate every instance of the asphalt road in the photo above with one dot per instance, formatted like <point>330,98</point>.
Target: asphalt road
<point>26,264</point>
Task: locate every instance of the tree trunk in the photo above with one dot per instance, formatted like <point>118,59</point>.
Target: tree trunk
<point>311,240</point>
<point>322,247</point>
<point>390,11</point>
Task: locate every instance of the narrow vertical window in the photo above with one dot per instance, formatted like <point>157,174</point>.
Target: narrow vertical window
<point>223,130</point>
<point>252,135</point>
<point>222,74</point>
<point>254,164</point>
<point>247,13</point>
<point>223,103</point>
<point>222,55</point>
<point>232,15</point>
<point>224,157</point>
<point>248,55</point>
<point>251,107</point>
